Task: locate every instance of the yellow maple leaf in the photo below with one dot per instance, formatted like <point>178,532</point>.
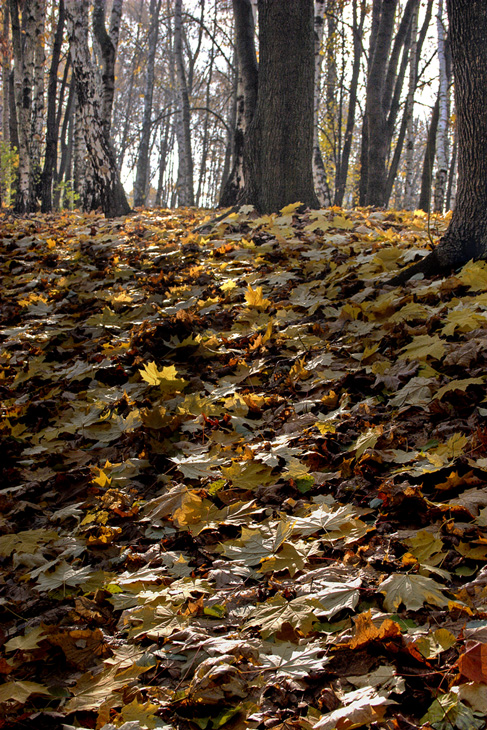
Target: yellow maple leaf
<point>167,378</point>
<point>290,208</point>
<point>423,347</point>
<point>255,298</point>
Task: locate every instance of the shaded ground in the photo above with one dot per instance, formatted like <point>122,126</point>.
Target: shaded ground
<point>243,480</point>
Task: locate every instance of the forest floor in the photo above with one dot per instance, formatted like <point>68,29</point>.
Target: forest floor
<point>244,479</point>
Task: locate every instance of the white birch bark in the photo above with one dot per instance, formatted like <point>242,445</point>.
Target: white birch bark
<point>23,43</point>
<point>409,181</point>
<point>38,101</point>
<point>442,132</point>
<point>106,182</point>
<point>319,175</point>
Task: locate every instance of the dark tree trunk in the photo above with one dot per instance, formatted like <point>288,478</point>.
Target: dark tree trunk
<point>247,85</point>
<point>279,141</point>
<point>424,202</point>
<point>52,125</point>
<point>466,237</point>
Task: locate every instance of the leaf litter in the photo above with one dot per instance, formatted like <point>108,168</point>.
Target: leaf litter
<point>243,478</point>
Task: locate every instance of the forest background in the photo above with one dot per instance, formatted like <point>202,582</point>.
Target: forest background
<point>170,96</point>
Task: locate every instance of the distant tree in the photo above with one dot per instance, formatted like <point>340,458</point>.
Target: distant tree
<point>279,140</point>
<point>142,173</point>
<point>466,237</point>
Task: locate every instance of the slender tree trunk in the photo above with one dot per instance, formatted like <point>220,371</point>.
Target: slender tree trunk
<point>230,144</point>
<point>52,123</point>
<point>247,87</point>
<point>64,138</point>
<point>108,42</point>
<point>424,202</point>
<point>442,132</point>
<point>204,143</point>
<point>143,161</point>
<point>466,237</point>
<point>358,32</point>
<point>279,141</point>
<point>322,188</point>
<point>408,183</point>
<point>38,95</point>
<point>451,174</point>
<point>5,102</point>
<point>106,182</point>
<point>185,173</point>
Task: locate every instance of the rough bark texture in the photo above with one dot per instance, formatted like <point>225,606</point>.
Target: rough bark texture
<point>279,141</point>
<point>247,85</point>
<point>142,174</point>
<point>106,180</point>
<point>466,237</point>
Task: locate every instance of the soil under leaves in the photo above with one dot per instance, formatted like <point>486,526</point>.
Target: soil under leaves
<point>244,480</point>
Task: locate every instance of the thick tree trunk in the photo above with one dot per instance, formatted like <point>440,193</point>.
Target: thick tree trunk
<point>247,85</point>
<point>279,141</point>
<point>466,237</point>
<point>183,123</point>
<point>143,166</point>
<point>101,156</point>
<point>52,125</point>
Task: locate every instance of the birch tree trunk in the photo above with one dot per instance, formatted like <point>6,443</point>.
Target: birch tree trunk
<point>143,164</point>
<point>106,182</point>
<point>183,117</point>
<point>38,95</point>
<point>5,105</point>
<point>442,132</point>
<point>408,183</point>
<point>108,42</point>
<point>247,85</point>
<point>322,188</point>
<point>23,43</point>
<point>52,123</point>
